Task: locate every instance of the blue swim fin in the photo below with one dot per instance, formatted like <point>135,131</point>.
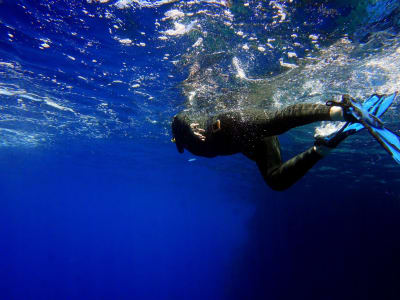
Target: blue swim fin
<point>368,115</point>
<point>388,140</point>
<point>376,105</point>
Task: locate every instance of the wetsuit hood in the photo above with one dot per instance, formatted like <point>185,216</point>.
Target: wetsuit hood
<point>178,131</point>
<point>185,138</point>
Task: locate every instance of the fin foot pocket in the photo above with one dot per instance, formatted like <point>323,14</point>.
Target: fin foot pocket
<point>366,115</point>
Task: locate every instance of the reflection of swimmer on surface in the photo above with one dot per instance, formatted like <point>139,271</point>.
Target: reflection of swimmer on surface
<point>254,132</point>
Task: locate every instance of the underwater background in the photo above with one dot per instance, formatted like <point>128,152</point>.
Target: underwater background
<point>95,201</point>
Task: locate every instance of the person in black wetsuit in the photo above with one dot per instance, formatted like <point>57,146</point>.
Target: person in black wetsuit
<point>254,133</point>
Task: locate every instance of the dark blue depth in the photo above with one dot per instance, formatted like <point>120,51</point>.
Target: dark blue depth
<point>124,216</point>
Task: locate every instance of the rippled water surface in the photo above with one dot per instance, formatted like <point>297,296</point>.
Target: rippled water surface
<point>95,201</point>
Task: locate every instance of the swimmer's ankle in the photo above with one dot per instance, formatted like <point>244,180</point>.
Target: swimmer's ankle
<point>336,113</point>
<point>322,150</point>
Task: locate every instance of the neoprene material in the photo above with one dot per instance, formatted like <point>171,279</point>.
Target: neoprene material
<point>254,133</point>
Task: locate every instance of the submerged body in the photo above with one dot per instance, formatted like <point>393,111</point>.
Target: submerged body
<point>253,133</point>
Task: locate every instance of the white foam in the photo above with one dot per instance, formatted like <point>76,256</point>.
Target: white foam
<point>281,13</point>
<point>124,41</point>
<point>239,70</point>
<point>180,29</point>
<point>28,96</point>
<point>191,97</point>
<point>83,78</point>
<point>60,107</point>
<point>385,66</point>
<point>5,64</point>
<point>287,65</point>
<point>218,2</point>
<point>173,14</point>
<point>327,128</point>
<point>6,92</point>
<point>122,4</point>
<point>198,43</point>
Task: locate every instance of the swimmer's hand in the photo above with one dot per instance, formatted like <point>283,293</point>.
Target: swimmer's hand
<point>198,131</point>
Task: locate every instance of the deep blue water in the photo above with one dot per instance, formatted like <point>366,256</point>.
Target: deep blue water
<point>96,203</point>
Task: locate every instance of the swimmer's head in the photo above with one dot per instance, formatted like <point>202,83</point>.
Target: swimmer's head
<point>186,139</point>
<point>178,131</point>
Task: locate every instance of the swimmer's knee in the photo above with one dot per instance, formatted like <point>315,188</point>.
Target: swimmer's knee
<point>275,181</point>
<point>272,176</point>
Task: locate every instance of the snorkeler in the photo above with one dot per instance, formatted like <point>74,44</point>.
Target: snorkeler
<point>254,133</point>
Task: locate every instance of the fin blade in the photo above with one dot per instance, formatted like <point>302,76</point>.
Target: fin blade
<point>376,105</point>
<point>386,101</point>
<point>371,102</point>
<point>353,126</point>
<point>390,140</point>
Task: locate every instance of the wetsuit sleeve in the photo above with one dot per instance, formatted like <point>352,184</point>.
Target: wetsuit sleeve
<point>280,176</point>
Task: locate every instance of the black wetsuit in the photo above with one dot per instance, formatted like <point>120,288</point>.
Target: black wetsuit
<point>253,133</point>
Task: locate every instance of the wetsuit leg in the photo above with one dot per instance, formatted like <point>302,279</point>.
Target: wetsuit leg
<point>278,122</point>
<point>280,176</point>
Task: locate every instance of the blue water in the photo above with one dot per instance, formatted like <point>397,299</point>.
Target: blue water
<point>95,201</point>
